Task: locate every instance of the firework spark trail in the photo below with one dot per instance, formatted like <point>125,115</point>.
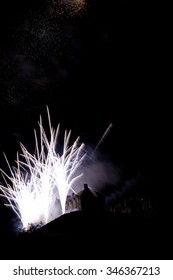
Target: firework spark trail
<point>101,139</point>
<point>40,179</point>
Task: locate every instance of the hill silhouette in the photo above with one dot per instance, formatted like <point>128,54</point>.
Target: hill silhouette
<point>82,235</point>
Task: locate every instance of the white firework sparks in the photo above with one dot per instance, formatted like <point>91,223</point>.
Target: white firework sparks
<point>41,180</point>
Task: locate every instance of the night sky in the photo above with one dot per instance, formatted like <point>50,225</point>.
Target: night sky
<point>95,63</point>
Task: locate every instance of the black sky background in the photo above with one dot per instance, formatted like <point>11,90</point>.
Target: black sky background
<point>105,65</point>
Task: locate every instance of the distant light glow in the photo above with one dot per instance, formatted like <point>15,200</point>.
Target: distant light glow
<point>40,182</point>
<point>71,7</point>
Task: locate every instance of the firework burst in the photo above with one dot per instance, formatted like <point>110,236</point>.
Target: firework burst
<point>42,180</point>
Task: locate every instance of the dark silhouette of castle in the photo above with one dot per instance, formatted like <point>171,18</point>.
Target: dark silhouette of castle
<point>91,201</point>
<point>86,200</point>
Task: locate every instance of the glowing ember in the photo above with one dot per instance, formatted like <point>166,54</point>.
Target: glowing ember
<point>39,185</point>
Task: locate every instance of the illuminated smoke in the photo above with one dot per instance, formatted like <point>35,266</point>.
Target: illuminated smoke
<point>71,8</point>
<point>40,182</point>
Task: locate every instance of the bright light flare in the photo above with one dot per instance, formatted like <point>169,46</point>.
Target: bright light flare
<point>41,181</point>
